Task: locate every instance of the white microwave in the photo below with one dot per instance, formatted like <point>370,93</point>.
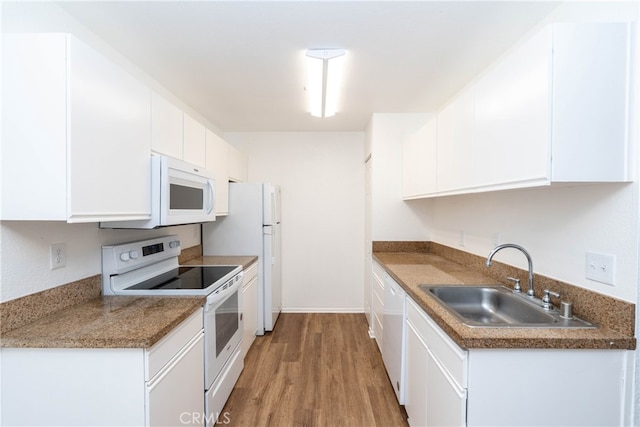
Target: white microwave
<point>181,193</point>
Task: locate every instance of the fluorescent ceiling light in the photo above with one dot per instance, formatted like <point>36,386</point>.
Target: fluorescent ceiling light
<point>324,74</point>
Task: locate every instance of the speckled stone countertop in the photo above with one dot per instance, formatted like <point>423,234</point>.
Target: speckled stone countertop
<point>76,316</point>
<point>106,322</point>
<point>411,269</point>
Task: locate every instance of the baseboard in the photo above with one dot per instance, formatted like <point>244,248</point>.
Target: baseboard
<point>371,334</point>
<point>322,310</point>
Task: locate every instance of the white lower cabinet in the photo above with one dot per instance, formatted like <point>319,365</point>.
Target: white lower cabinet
<point>250,307</point>
<point>377,304</point>
<point>159,386</point>
<point>449,386</point>
<point>435,393</point>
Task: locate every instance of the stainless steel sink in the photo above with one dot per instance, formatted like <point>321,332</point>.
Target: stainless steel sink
<point>498,306</point>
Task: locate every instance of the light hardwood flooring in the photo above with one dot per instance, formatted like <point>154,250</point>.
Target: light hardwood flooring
<point>314,370</point>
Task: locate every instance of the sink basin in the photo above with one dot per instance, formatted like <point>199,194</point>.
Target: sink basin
<point>498,306</point>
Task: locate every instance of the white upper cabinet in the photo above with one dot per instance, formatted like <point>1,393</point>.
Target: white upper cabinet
<point>166,127</point>
<point>194,141</point>
<point>238,165</point>
<point>512,117</point>
<point>217,161</point>
<point>455,137</point>
<point>553,110</point>
<point>419,154</point>
<point>76,133</point>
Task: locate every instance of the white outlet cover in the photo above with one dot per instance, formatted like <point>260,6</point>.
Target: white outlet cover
<point>601,267</point>
<point>58,256</point>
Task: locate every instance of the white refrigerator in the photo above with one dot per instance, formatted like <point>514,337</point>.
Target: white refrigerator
<point>252,227</point>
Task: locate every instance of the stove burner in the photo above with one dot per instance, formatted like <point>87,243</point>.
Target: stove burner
<point>188,278</point>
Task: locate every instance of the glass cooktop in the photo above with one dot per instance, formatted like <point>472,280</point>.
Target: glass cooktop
<point>189,278</point>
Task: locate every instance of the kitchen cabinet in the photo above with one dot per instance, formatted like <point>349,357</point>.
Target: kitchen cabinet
<point>393,349</point>
<point>76,133</point>
<point>194,141</point>
<point>555,109</point>
<point>377,304</point>
<point>238,165</point>
<point>419,154</point>
<point>108,386</point>
<point>436,371</point>
<point>448,385</point>
<point>217,161</point>
<point>250,307</point>
<point>454,143</point>
<point>166,127</point>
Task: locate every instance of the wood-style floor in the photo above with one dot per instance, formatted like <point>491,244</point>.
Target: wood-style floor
<point>314,370</point>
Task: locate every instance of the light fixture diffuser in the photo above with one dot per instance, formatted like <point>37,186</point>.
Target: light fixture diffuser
<point>324,74</point>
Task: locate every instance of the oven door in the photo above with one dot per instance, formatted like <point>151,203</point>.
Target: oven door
<point>222,328</point>
<point>187,195</point>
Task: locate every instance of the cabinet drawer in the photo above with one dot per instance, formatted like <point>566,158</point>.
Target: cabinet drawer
<point>447,352</point>
<point>165,349</point>
<point>378,287</point>
<point>250,272</point>
<point>378,271</point>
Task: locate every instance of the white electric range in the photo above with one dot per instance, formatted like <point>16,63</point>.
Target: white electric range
<point>151,268</point>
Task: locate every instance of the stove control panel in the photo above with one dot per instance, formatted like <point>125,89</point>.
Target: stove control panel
<point>117,259</point>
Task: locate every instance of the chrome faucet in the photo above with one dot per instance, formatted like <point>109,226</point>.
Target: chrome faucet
<point>530,292</point>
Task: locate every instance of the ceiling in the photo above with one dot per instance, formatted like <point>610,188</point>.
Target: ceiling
<point>240,63</point>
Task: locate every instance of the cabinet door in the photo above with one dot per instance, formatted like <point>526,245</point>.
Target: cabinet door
<point>591,101</point>
<point>194,142</point>
<point>446,402</point>
<point>415,399</point>
<point>166,127</point>
<point>109,140</point>
<point>454,148</point>
<point>218,162</point>
<point>238,165</point>
<point>34,130</point>
<point>512,112</point>
<point>185,373</point>
<point>250,314</point>
<point>419,162</point>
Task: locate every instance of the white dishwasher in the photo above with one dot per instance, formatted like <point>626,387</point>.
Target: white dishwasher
<point>393,325</point>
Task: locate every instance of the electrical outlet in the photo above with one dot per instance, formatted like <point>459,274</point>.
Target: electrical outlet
<point>58,255</point>
<point>601,267</point>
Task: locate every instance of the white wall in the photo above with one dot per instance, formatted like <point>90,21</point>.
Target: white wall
<point>24,249</point>
<point>322,180</point>
<point>393,218</point>
<point>556,225</point>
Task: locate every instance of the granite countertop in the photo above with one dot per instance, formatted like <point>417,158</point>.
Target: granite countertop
<point>411,269</point>
<point>106,322</point>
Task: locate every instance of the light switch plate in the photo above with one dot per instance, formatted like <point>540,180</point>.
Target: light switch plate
<point>601,267</point>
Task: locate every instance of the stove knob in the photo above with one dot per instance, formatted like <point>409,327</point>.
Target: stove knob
<point>124,256</point>
<point>133,254</point>
<point>174,243</point>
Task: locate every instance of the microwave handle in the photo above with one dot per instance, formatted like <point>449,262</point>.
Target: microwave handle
<point>212,195</point>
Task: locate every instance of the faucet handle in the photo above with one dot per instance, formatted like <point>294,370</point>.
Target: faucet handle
<point>516,284</point>
<point>546,299</point>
